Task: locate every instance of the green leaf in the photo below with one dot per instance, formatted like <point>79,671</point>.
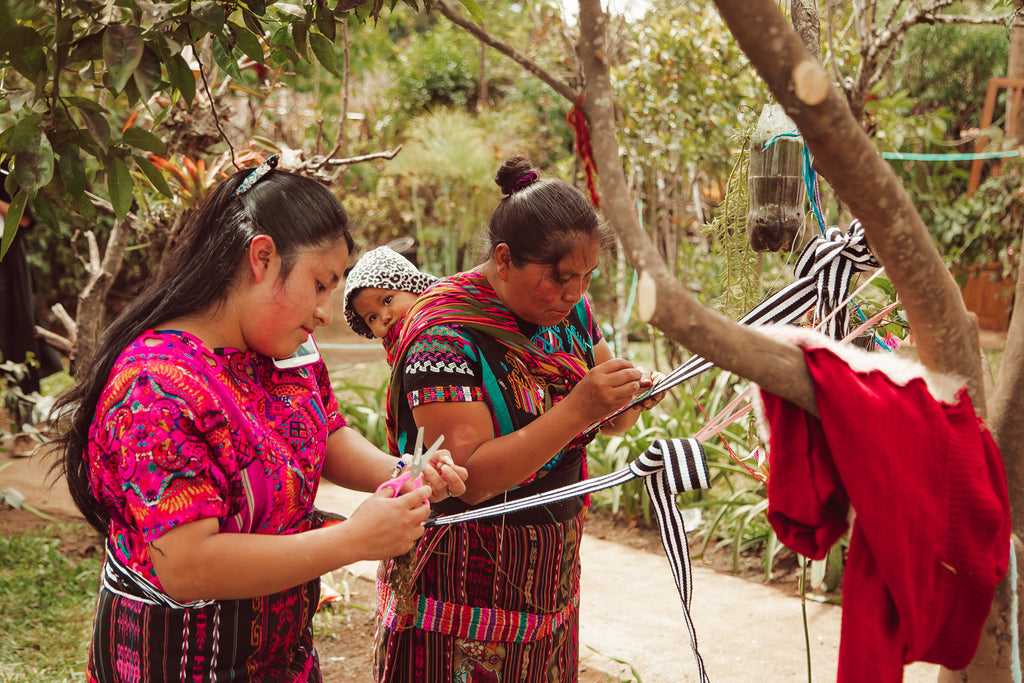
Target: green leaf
<point>25,134</point>
<point>474,10</point>
<point>253,22</point>
<point>154,175</point>
<point>259,7</point>
<point>179,73</point>
<point>14,213</point>
<point>33,166</point>
<point>71,170</point>
<point>122,52</point>
<point>84,103</point>
<point>147,74</point>
<point>324,51</point>
<point>119,185</point>
<point>247,42</point>
<point>225,59</point>
<point>25,48</point>
<point>87,49</point>
<point>211,15</point>
<point>299,39</point>
<point>143,139</point>
<point>324,20</point>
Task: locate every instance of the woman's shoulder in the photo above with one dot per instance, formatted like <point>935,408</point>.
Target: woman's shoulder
<point>169,360</point>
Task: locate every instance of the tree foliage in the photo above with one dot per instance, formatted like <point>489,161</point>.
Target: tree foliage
<point>77,72</point>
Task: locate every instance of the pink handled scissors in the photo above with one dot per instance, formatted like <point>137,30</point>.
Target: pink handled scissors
<point>414,468</point>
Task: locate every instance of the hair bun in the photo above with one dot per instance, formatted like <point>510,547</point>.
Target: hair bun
<point>515,174</point>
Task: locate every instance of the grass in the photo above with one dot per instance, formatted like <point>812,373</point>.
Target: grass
<point>47,603</point>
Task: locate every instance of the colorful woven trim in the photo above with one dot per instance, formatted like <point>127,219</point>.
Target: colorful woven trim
<point>445,395</point>
<point>484,624</point>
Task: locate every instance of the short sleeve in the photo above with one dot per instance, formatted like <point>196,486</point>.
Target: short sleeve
<point>159,452</point>
<point>442,366</point>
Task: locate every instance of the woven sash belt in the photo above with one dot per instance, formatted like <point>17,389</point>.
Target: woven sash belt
<point>669,467</point>
<point>121,580</point>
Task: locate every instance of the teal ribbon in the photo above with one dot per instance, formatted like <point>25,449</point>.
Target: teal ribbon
<point>810,178</point>
<point>953,156</point>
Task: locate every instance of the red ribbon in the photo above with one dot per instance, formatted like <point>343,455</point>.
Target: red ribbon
<point>578,120</point>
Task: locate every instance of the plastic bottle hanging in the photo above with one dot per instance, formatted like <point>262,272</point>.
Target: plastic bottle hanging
<point>776,182</point>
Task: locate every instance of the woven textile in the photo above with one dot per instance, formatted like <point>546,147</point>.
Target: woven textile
<point>497,598</point>
<point>184,433</point>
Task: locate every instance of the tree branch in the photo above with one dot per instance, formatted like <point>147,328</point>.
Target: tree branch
<point>446,8</point>
<point>55,340</point>
<point>1005,417</point>
<point>776,366</point>
<point>945,334</point>
<point>362,158</point>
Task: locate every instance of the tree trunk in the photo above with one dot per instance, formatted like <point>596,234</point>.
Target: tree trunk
<point>804,15</point>
<point>1015,69</point>
<point>90,316</point>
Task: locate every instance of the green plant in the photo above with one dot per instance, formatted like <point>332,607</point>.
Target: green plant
<point>48,597</point>
<point>363,404</point>
<point>981,228</point>
<point>15,402</point>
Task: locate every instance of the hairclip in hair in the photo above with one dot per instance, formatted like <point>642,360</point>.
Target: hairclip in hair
<point>527,180</point>
<point>256,174</point>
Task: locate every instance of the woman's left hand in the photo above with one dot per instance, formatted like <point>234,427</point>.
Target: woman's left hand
<point>649,379</point>
<point>444,477</point>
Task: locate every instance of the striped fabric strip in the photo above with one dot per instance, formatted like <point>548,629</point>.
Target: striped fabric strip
<point>669,467</point>
<point>485,624</point>
<point>121,580</point>
<point>823,272</point>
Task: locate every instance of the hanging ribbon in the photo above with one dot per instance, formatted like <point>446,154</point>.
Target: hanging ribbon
<point>823,272</point>
<point>578,120</point>
<point>669,467</point>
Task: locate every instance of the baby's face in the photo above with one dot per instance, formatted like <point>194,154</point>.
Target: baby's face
<point>380,308</point>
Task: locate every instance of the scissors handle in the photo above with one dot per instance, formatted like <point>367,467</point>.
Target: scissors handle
<point>397,483</point>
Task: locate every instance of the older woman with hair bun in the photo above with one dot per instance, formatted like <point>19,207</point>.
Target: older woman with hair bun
<point>507,362</point>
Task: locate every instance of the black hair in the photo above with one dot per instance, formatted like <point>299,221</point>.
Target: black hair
<point>298,213</point>
<point>541,219</point>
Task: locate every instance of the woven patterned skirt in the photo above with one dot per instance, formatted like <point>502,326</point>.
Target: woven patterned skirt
<point>263,640</point>
<point>488,604</point>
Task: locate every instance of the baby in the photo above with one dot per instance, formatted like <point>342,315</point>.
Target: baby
<point>379,290</point>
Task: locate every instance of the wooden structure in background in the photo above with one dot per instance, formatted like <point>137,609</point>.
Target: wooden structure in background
<point>1014,90</point>
<point>986,295</point>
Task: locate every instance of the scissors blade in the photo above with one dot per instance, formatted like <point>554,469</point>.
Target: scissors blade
<point>418,450</point>
<point>417,465</point>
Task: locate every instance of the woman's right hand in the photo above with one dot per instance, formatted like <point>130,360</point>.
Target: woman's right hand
<point>606,388</point>
<point>385,527</point>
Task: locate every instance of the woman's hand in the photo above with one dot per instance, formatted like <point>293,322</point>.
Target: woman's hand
<point>385,527</point>
<point>649,379</point>
<point>444,477</point>
<point>607,388</point>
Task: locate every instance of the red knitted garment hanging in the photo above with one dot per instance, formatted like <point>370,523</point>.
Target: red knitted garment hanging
<point>578,120</point>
